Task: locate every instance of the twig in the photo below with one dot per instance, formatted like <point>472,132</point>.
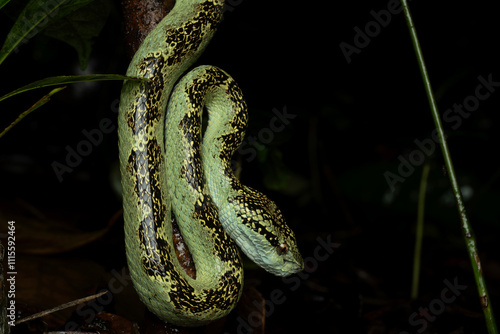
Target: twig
<point>61,307</point>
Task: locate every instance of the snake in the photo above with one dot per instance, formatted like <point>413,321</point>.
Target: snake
<point>174,171</point>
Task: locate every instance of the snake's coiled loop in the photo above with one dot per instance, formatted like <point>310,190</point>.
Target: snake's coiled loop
<point>169,172</point>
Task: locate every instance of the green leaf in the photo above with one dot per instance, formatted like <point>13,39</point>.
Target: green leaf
<point>69,7</point>
<point>79,27</point>
<point>62,80</point>
<point>30,22</point>
<point>39,15</point>
<point>3,3</point>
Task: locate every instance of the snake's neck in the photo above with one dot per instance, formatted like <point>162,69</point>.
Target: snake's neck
<point>252,220</point>
<point>222,137</point>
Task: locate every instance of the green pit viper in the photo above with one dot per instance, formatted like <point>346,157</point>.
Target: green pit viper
<point>170,172</point>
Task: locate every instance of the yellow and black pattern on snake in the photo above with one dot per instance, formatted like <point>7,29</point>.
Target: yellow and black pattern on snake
<point>168,172</point>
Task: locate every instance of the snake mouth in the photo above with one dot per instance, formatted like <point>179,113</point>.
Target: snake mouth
<point>293,266</point>
<point>287,269</point>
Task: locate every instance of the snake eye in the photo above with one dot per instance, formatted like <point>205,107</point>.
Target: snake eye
<point>282,249</point>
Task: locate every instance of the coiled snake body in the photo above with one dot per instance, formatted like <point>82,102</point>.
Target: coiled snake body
<point>169,173</point>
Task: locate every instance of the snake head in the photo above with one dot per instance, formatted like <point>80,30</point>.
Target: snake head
<point>263,235</point>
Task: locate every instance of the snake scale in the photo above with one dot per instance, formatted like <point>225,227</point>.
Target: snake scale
<point>169,172</point>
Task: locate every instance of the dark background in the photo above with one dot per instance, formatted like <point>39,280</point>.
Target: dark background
<point>353,122</point>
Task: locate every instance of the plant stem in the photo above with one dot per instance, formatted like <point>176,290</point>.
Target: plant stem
<point>419,231</point>
<point>468,234</point>
<point>37,105</point>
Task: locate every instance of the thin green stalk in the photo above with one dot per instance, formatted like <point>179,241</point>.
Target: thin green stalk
<point>468,234</point>
<point>419,232</point>
<point>37,105</point>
